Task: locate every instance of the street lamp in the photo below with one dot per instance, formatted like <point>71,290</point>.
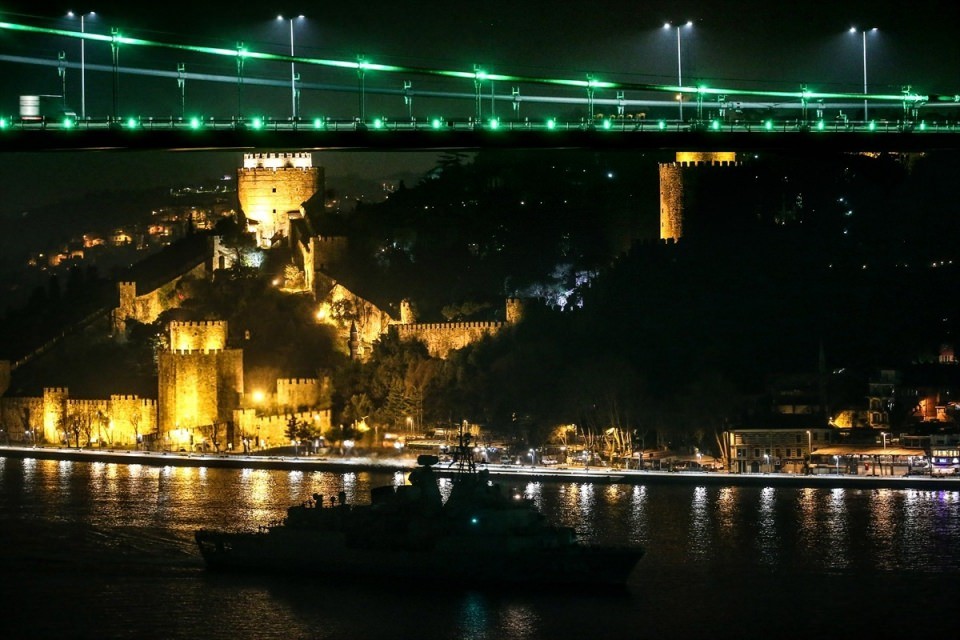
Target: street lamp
<point>667,25</point>
<point>293,75</point>
<point>83,77</point>
<point>836,459</point>
<point>863,34</point>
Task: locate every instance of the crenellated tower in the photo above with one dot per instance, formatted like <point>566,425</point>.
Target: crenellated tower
<point>691,183</point>
<point>272,188</point>
<point>200,379</point>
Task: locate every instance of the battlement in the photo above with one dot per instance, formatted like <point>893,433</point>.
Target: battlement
<point>198,323</point>
<point>292,382</point>
<point>702,164</point>
<point>294,160</point>
<point>86,402</point>
<point>190,352</point>
<point>198,336</point>
<point>144,402</point>
<point>697,158</point>
<point>446,326</point>
<point>59,391</point>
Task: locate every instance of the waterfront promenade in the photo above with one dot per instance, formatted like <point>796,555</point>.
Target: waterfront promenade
<point>557,473</point>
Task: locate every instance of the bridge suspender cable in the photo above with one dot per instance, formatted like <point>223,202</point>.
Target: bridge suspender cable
<point>590,83</point>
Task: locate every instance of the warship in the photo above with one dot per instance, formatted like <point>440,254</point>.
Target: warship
<point>478,536</point>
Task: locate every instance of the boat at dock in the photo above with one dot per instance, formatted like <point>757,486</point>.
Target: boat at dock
<point>478,536</point>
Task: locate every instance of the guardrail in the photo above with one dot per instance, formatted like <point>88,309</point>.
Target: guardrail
<point>492,125</point>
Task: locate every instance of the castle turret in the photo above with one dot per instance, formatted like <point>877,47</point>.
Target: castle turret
<point>407,315</point>
<point>686,183</point>
<point>200,382</point>
<point>514,308</point>
<point>271,188</point>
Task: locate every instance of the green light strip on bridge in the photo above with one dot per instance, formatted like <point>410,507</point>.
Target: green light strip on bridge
<point>480,76</point>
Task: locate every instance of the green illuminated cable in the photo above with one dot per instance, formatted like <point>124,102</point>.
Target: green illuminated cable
<point>479,76</point>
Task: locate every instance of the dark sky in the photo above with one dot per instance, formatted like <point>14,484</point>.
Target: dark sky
<point>745,43</point>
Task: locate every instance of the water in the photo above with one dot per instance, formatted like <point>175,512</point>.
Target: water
<point>94,550</point>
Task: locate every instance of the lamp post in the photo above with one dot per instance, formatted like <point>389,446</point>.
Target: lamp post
<point>293,75</point>
<point>863,35</point>
<point>667,25</point>
<point>83,76</point>
<point>836,459</point>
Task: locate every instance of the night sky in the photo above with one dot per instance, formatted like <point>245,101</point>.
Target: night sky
<point>778,45</point>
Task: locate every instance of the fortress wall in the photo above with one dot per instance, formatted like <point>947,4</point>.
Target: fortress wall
<point>132,416</point>
<point>54,411</point>
<point>328,251</point>
<point>271,429</point>
<point>147,306</point>
<point>18,415</point>
<point>442,338</point>
<point>300,392</point>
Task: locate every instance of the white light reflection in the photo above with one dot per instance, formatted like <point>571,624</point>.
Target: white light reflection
<point>882,528</point>
<point>767,540</point>
<point>700,542</point>
<point>638,515</point>
<point>96,477</point>
<point>350,487</point>
<point>534,491</point>
<point>725,509</point>
<point>836,551</point>
<point>518,621</point>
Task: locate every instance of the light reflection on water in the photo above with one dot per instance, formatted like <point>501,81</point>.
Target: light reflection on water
<point>801,537</point>
<point>768,543</point>
<point>699,541</point>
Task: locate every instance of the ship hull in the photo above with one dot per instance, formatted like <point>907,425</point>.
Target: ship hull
<point>491,562</point>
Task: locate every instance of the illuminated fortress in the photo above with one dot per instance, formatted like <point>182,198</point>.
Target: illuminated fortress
<point>272,188</point>
<point>200,379</point>
<point>685,185</point>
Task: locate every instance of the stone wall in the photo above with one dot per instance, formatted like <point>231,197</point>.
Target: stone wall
<point>266,431</point>
<point>209,335</point>
<point>113,421</point>
<point>443,337</point>
<point>147,306</point>
<point>293,393</point>
<point>270,187</point>
<point>198,388</point>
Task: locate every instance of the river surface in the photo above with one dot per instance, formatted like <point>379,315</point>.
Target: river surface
<point>97,550</point>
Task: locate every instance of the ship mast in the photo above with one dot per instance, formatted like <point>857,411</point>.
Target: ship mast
<point>463,454</point>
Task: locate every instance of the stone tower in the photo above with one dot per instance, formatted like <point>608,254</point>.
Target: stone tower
<point>685,184</point>
<point>514,309</point>
<point>407,316</point>
<point>200,379</point>
<point>272,187</point>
